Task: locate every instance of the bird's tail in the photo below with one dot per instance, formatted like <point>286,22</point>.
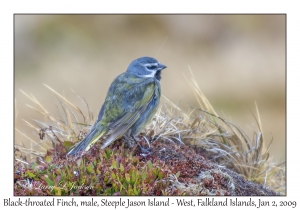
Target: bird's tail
<point>87,142</point>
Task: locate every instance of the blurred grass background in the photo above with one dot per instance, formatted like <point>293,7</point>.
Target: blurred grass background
<point>236,59</point>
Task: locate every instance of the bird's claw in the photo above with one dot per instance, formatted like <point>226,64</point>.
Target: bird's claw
<point>145,150</point>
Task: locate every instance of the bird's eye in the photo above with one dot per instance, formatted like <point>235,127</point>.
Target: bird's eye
<point>151,67</point>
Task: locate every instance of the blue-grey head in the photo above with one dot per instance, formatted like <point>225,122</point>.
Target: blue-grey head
<point>146,67</point>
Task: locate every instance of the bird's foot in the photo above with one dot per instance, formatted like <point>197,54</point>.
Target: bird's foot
<point>145,150</point>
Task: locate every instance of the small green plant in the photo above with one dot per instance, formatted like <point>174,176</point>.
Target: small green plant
<point>99,172</point>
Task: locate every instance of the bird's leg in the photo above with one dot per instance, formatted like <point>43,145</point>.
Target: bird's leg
<point>129,141</point>
<point>142,148</point>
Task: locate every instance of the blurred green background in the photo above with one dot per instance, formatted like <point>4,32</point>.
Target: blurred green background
<point>236,59</point>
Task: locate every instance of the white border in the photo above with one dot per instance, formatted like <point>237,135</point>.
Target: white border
<point>8,8</point>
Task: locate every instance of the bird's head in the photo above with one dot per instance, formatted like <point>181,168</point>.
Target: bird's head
<point>146,67</point>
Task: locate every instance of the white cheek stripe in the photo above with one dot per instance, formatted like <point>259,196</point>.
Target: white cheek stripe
<point>151,74</point>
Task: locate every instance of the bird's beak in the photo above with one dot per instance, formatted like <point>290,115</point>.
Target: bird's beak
<point>161,66</point>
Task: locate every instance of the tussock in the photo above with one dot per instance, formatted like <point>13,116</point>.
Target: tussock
<point>218,139</point>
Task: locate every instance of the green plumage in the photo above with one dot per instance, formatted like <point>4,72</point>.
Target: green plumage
<point>126,100</point>
<point>130,104</point>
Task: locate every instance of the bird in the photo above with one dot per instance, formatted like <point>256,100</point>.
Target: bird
<point>130,104</point>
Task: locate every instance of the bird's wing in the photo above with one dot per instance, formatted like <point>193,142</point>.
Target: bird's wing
<point>126,100</point>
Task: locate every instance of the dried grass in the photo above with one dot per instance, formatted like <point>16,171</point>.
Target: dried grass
<point>221,141</point>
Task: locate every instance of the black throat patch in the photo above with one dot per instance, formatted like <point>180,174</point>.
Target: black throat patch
<point>158,75</point>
